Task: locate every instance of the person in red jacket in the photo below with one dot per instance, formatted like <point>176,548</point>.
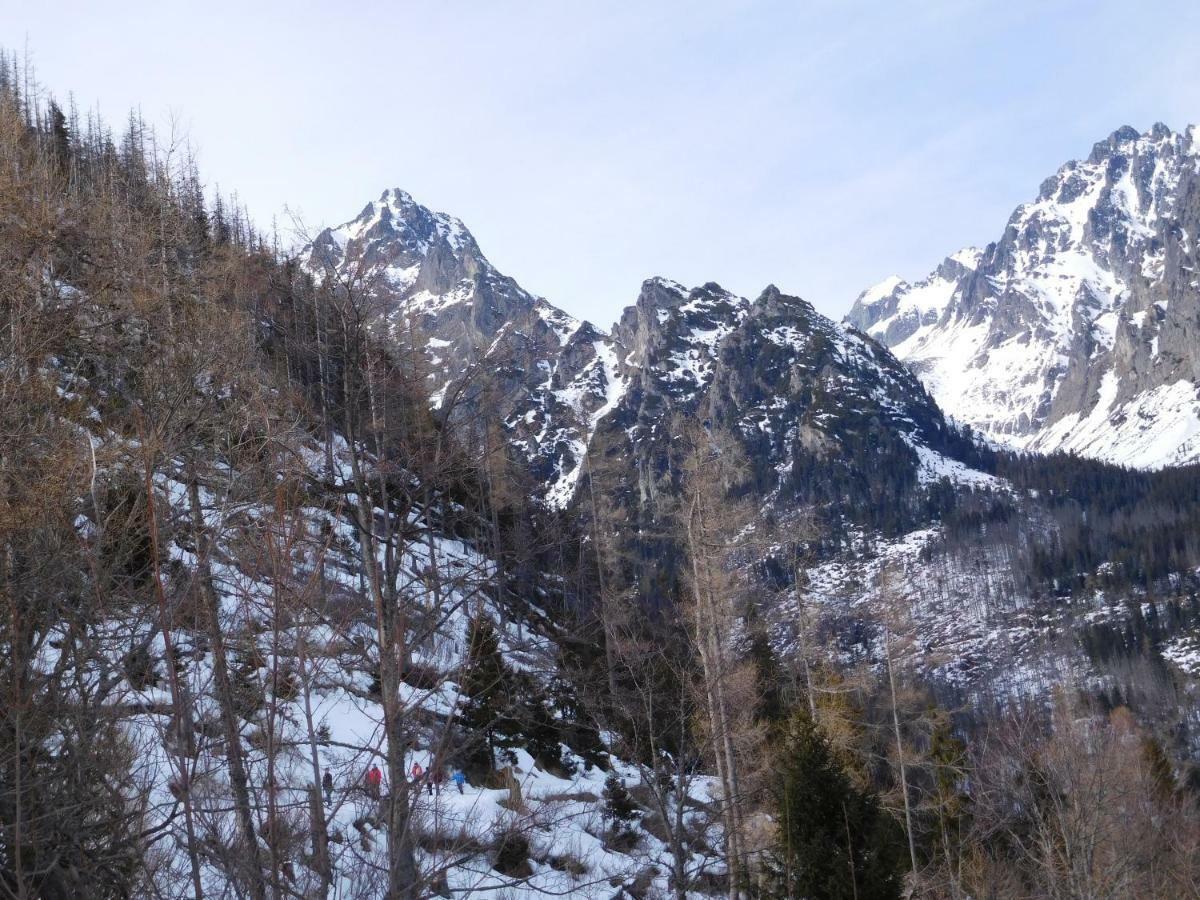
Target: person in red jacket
<point>374,780</point>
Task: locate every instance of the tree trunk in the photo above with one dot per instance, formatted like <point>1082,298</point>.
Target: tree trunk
<point>605,612</point>
<point>238,780</point>
<point>711,658</point>
<point>402,866</point>
<point>181,709</point>
<point>912,847</point>
<point>317,822</point>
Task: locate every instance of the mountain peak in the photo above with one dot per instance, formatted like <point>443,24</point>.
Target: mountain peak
<point>397,195</point>
<point>397,240</point>
<point>665,297</point>
<point>658,282</point>
<point>774,302</point>
<point>1126,134</point>
<point>1126,140</point>
<point>1073,331</point>
<point>879,291</point>
<point>769,294</point>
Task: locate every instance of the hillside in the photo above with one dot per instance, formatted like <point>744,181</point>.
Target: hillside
<point>242,564</point>
<point>848,462</point>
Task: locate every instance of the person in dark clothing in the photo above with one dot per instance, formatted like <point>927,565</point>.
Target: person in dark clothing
<point>437,779</point>
<point>327,784</point>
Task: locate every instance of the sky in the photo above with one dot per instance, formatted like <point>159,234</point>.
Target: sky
<point>819,146</point>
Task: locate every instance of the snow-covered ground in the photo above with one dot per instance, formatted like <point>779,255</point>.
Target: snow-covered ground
<point>1159,427</point>
<point>301,644</point>
<point>957,617</point>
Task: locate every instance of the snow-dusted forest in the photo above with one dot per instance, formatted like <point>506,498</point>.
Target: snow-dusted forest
<point>346,567</point>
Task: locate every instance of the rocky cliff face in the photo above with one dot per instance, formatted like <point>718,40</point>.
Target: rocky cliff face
<point>804,395</point>
<point>1077,329</point>
<point>487,342</point>
<point>797,387</point>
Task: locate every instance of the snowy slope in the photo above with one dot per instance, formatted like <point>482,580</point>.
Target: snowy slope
<point>305,685</point>
<point>1074,330</point>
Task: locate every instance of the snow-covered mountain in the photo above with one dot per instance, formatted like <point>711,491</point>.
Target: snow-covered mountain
<point>488,342</point>
<point>781,375</point>
<point>835,428</point>
<point>803,394</point>
<point>413,266</point>
<point>1076,330</point>
<point>373,574</point>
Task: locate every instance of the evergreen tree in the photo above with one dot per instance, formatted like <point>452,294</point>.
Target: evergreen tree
<point>619,807</point>
<point>540,732</point>
<point>770,706</point>
<point>486,684</point>
<point>948,802</point>
<point>505,709</point>
<point>60,138</point>
<point>833,841</point>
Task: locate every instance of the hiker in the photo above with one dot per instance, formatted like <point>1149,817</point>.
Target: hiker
<point>438,779</point>
<point>459,779</point>
<point>327,784</point>
<point>417,772</point>
<point>374,780</point>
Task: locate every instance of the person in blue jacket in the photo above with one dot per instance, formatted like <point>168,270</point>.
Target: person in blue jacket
<point>459,779</point>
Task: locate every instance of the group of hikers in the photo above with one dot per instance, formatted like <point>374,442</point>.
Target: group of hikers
<point>433,779</point>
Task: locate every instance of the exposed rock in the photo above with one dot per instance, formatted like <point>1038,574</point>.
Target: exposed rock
<point>1076,330</point>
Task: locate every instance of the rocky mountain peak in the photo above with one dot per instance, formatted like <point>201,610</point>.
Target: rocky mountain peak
<point>1069,331</point>
<point>671,333</point>
<point>899,309</point>
<point>773,370</point>
<point>1117,142</point>
<point>399,242</point>
<point>772,301</point>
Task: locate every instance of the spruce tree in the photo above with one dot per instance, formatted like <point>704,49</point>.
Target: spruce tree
<point>486,684</point>
<point>60,138</point>
<point>541,733</point>
<point>833,841</point>
<point>618,804</point>
<point>769,706</point>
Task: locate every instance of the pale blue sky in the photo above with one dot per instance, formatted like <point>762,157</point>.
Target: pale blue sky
<point>820,146</point>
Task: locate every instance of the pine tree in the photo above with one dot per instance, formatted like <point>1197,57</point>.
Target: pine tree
<point>60,137</point>
<point>768,678</point>
<point>621,814</point>
<point>948,800</point>
<point>540,733</point>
